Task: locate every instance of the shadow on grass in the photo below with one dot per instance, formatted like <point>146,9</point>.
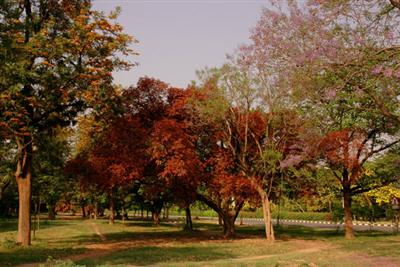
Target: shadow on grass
<point>8,225</point>
<point>287,232</point>
<point>150,224</point>
<point>152,255</point>
<point>35,254</point>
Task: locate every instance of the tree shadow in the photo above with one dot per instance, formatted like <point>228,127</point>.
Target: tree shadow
<point>35,254</point>
<point>287,232</point>
<point>149,224</point>
<point>10,225</point>
<point>151,255</point>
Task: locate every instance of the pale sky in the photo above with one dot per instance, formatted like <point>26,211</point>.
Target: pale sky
<point>178,37</point>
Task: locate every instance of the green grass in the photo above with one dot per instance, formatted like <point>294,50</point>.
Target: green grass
<point>140,243</point>
<point>54,239</point>
<point>289,215</point>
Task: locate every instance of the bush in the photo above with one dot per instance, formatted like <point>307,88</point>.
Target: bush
<point>8,243</point>
<point>59,263</point>
<point>307,216</point>
<point>288,215</point>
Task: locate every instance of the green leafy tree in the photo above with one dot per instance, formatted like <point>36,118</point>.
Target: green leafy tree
<point>56,61</point>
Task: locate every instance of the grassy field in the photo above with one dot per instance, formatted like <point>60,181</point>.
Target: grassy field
<point>138,243</point>
<point>290,215</point>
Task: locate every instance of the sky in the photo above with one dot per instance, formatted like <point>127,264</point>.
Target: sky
<point>178,37</point>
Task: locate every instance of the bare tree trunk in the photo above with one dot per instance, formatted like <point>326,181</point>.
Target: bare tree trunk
<point>220,221</point>
<point>348,216</point>
<point>23,176</point>
<point>189,223</point>
<point>269,228</point>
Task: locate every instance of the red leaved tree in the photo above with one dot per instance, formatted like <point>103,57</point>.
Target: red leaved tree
<point>346,151</point>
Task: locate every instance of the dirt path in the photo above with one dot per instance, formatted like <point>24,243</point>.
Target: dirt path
<point>97,231</point>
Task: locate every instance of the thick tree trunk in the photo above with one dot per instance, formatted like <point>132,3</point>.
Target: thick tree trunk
<point>24,210</point>
<point>228,217</point>
<point>189,223</point>
<point>229,226</point>
<point>52,212</point>
<point>348,216</point>
<point>23,176</point>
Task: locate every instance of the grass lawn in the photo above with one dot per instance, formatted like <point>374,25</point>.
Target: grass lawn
<point>138,243</point>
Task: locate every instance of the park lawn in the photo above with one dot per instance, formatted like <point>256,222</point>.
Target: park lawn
<point>140,243</point>
<point>56,239</point>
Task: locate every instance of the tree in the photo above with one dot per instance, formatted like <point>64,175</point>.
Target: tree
<point>346,152</point>
<point>116,158</point>
<point>384,168</point>
<point>337,60</point>
<point>173,147</point>
<point>253,133</point>
<point>57,59</point>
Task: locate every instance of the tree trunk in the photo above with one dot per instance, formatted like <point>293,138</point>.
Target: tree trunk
<point>220,221</point>
<point>83,211</point>
<point>24,211</point>
<point>189,223</point>
<point>156,217</point>
<point>96,209</point>
<point>229,226</point>
<point>125,214</point>
<point>23,176</point>
<point>52,212</point>
<point>269,228</point>
<point>111,218</point>
<point>348,216</point>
